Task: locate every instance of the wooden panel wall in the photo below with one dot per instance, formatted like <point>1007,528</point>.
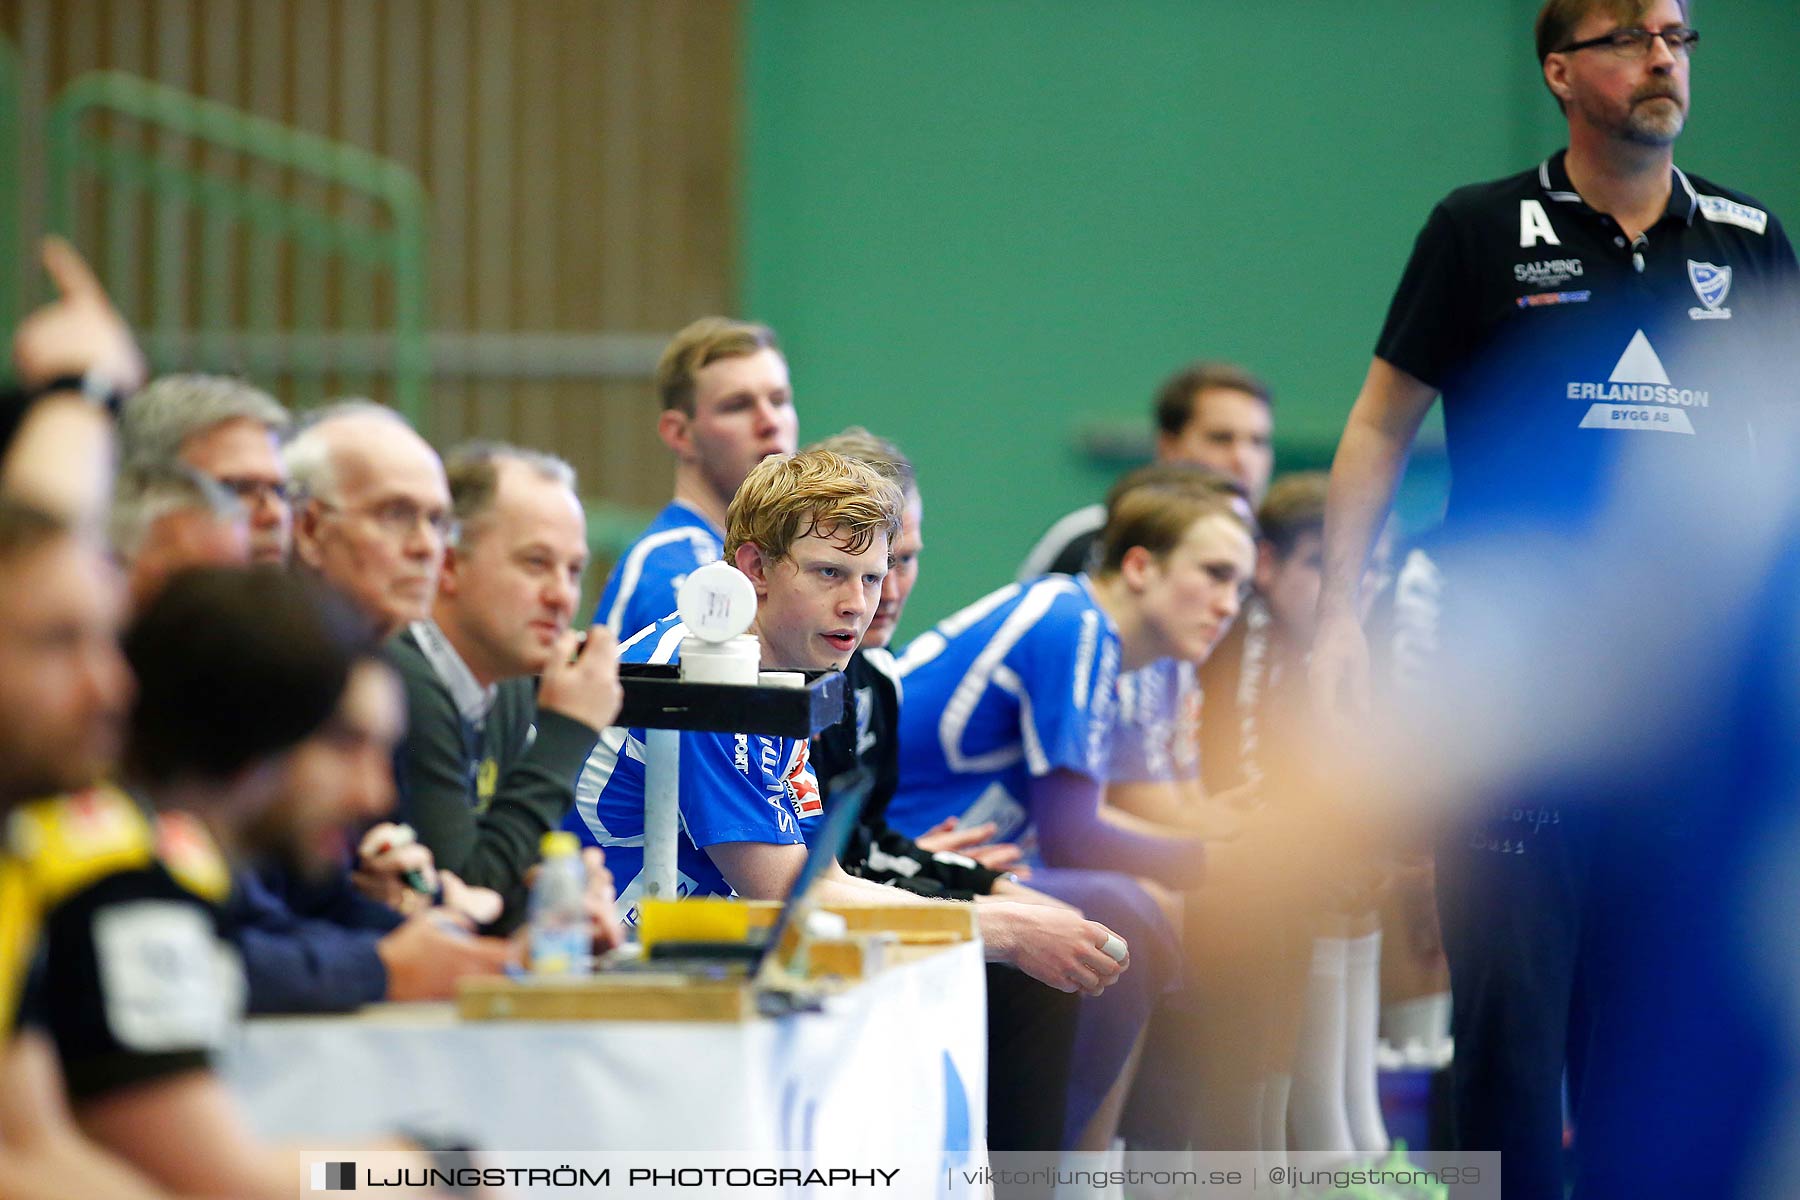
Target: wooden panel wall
<point>580,155</point>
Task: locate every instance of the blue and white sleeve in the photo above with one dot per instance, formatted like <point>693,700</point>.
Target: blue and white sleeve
<point>726,795</point>
<point>1067,670</point>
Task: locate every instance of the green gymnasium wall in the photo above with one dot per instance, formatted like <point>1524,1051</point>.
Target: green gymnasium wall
<point>982,227</point>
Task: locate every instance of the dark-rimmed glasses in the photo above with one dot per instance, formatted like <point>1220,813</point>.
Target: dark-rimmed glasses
<point>1636,43</point>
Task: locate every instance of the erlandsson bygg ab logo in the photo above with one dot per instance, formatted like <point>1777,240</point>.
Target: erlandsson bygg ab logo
<point>1638,395</point>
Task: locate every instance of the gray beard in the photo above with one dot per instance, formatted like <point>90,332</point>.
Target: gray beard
<point>1643,129</point>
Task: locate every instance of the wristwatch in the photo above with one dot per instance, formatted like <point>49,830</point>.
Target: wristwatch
<point>96,387</point>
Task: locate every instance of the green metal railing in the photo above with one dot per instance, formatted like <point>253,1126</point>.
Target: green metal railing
<point>12,282</point>
<point>382,228</point>
<point>379,227</point>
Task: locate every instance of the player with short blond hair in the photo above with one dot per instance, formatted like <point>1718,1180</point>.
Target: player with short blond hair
<point>726,406</point>
<point>811,532</point>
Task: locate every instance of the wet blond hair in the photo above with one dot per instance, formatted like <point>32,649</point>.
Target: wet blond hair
<point>815,491</point>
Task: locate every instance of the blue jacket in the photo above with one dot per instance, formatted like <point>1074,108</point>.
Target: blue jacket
<point>307,948</point>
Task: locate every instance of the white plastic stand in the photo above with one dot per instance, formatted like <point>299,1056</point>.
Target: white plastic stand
<point>717,604</point>
<point>662,795</point>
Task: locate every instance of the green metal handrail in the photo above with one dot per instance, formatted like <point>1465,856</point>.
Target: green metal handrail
<point>12,284</point>
<point>398,244</point>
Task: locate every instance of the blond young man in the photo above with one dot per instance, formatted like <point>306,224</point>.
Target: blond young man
<point>1010,715</point>
<point>811,531</point>
<point>726,406</point>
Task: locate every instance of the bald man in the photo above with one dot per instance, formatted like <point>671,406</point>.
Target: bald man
<point>371,509</point>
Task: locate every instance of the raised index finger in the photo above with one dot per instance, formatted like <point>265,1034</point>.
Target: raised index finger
<point>69,271</point>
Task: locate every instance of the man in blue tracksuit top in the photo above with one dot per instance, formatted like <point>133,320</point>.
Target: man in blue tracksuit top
<point>745,788</point>
<point>726,406</point>
<point>1010,717</point>
<point>812,532</point>
<point>1018,685</point>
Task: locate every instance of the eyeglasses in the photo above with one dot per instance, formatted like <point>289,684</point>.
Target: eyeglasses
<point>398,518</point>
<point>1636,43</point>
<point>253,491</point>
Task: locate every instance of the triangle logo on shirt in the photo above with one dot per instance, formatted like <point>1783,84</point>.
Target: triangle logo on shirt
<point>1639,363</point>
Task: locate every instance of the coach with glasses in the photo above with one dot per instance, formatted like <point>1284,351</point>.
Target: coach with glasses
<point>1604,303</point>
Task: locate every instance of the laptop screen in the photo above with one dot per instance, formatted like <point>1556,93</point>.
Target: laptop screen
<point>843,808</point>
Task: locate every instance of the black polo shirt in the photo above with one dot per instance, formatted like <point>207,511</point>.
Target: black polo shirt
<point>868,738</point>
<point>1560,345</point>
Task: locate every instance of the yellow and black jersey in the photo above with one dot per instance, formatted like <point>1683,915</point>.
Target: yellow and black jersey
<point>132,977</point>
<point>55,848</point>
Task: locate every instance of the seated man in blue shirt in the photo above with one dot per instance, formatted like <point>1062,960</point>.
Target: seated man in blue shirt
<point>1011,703</point>
<point>812,532</point>
<point>1010,716</point>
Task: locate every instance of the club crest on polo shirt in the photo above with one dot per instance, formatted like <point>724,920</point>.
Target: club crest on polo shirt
<point>1712,283</point>
<point>1639,396</point>
<point>191,855</point>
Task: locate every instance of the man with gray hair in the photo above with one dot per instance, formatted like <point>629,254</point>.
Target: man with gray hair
<point>229,431</point>
<point>167,518</point>
<point>371,509</point>
<point>477,784</point>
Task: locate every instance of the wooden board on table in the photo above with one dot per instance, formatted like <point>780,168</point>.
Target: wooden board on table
<point>638,996</point>
<point>920,924</point>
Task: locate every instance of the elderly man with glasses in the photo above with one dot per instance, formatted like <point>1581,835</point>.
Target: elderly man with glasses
<point>371,509</point>
<point>1601,307</point>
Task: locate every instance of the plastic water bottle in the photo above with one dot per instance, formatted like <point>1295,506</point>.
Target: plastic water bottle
<point>561,943</point>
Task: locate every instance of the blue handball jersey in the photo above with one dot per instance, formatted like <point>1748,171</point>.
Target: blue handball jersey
<point>1017,685</point>
<point>734,788</point>
<point>1156,738</point>
<point>641,589</point>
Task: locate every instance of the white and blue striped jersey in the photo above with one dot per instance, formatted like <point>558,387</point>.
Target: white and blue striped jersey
<point>641,589</point>
<point>734,787</point>
<point>1017,685</point>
